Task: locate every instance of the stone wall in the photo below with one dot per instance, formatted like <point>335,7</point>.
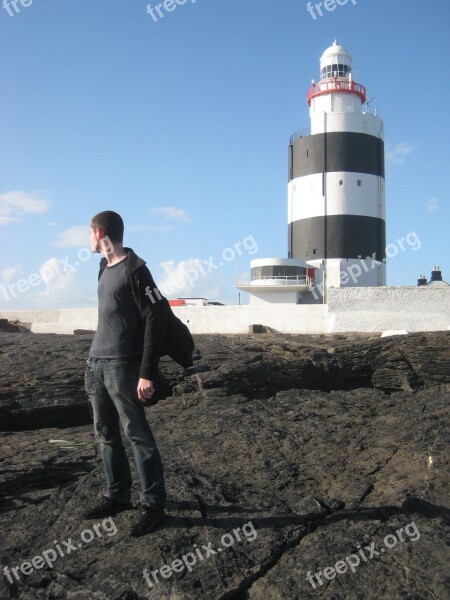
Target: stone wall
<point>369,309</point>
<point>392,307</point>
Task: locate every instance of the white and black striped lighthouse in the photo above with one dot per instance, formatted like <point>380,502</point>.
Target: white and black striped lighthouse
<point>336,200</point>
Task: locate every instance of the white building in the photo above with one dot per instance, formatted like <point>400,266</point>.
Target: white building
<point>336,203</point>
<point>278,280</point>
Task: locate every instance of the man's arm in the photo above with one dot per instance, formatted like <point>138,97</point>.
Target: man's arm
<point>154,315</point>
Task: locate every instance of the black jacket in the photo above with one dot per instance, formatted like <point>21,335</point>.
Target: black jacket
<point>163,333</point>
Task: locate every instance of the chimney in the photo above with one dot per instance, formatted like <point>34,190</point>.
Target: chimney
<point>436,274</point>
<point>422,280</point>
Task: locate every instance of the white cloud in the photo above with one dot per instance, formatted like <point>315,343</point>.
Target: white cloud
<point>432,205</point>
<point>17,204</point>
<point>172,213</point>
<point>51,224</point>
<point>398,155</point>
<point>12,271</point>
<point>54,285</point>
<point>73,237</point>
<point>7,220</point>
<point>190,278</point>
<point>59,281</point>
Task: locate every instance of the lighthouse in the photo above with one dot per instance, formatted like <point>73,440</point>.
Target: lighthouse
<point>336,196</point>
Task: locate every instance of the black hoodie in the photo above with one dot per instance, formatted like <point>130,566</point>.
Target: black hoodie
<point>163,332</point>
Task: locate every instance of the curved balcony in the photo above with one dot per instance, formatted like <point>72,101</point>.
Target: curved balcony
<point>301,282</point>
<point>336,85</point>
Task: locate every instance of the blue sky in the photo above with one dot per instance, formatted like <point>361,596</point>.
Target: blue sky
<point>181,124</point>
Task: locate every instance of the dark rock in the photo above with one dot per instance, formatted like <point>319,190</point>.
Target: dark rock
<point>40,417</point>
<point>14,326</point>
<point>257,329</point>
<point>314,455</point>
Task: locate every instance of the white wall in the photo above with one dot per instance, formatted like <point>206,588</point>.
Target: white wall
<point>63,320</point>
<point>306,199</point>
<point>343,113</point>
<point>355,272</point>
<point>286,318</point>
<point>273,298</point>
<point>392,307</point>
<point>348,309</point>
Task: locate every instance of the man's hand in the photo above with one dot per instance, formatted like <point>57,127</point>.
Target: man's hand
<point>145,390</point>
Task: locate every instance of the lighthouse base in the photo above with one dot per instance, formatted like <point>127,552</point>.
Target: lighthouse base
<point>340,273</point>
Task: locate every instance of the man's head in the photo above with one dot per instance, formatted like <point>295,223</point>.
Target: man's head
<point>107,226</point>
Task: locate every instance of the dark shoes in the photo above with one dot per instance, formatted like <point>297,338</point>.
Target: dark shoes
<point>150,519</point>
<point>107,507</point>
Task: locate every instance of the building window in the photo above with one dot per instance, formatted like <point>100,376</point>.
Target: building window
<point>270,271</point>
<point>358,183</point>
<point>341,182</point>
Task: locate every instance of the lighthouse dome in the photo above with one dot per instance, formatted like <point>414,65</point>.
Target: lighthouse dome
<point>336,61</point>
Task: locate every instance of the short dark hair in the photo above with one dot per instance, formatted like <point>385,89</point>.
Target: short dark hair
<point>110,223</point>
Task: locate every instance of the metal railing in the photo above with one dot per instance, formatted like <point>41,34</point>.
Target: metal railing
<point>336,85</point>
<point>300,134</point>
<point>274,280</point>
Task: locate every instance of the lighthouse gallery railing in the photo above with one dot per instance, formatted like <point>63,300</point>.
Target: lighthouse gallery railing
<point>336,85</point>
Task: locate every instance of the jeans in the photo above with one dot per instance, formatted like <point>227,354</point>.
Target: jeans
<point>111,384</point>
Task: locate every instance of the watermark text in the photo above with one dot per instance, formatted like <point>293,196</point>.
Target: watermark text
<point>157,11</point>
<point>49,556</point>
<point>328,5</point>
<point>188,560</point>
<point>352,561</point>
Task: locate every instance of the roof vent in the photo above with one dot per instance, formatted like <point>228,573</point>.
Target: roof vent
<point>436,274</point>
<point>422,280</point>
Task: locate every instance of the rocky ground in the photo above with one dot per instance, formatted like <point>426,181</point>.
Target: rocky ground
<point>284,455</point>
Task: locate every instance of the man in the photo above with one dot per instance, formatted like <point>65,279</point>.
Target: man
<point>122,366</point>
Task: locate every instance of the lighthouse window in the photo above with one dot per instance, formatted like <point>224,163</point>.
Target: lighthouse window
<point>358,183</point>
<point>337,70</point>
<point>341,182</point>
